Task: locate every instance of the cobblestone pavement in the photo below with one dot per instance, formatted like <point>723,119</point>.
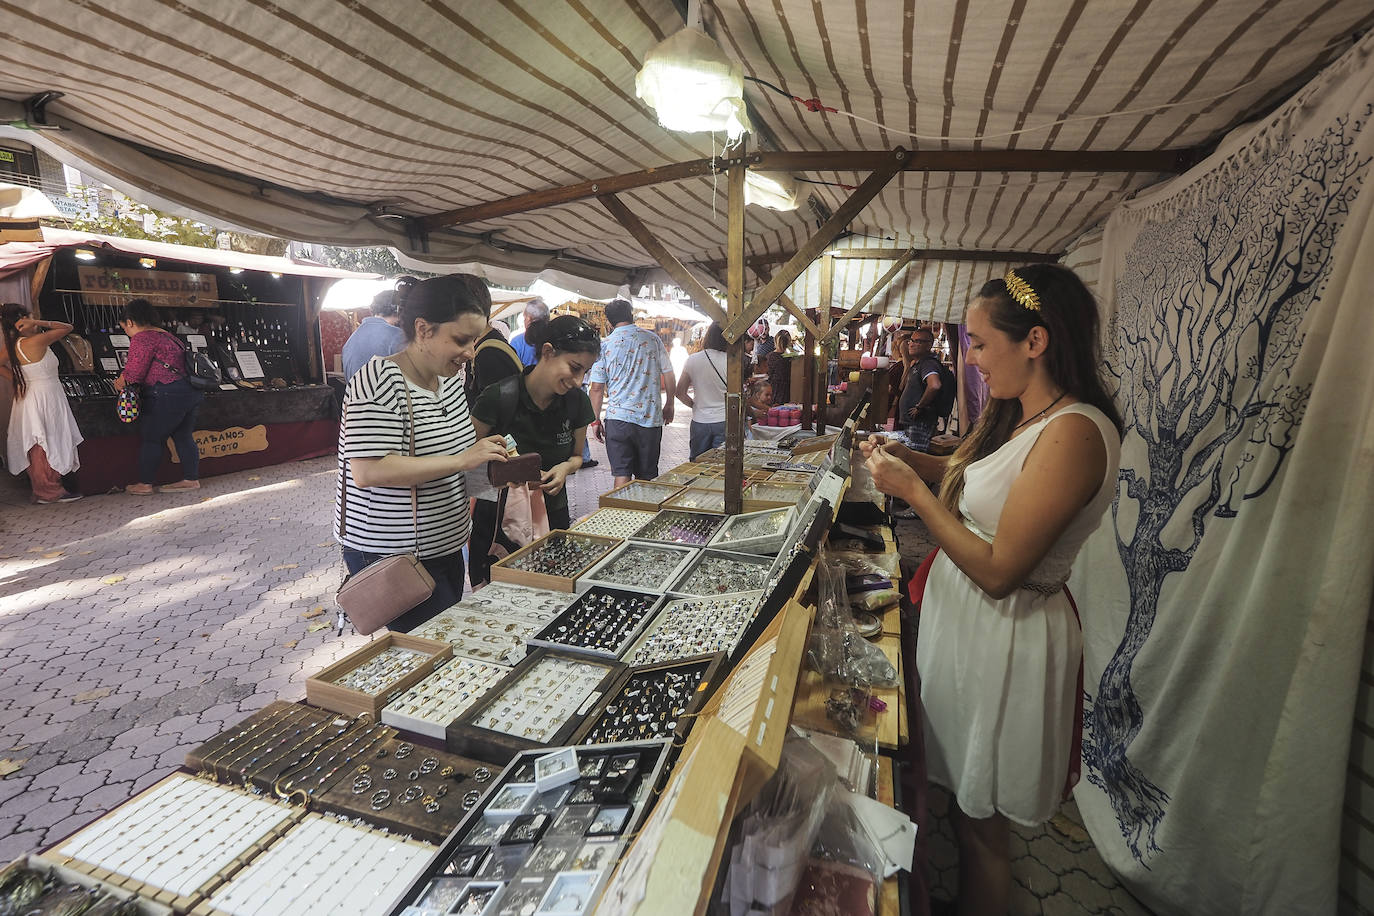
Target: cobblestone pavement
<point>134,628</point>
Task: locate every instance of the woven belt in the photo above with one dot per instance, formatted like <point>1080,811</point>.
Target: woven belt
<point>1043,588</point>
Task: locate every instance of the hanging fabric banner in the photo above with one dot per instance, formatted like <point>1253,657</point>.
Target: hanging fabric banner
<point>1225,598</point>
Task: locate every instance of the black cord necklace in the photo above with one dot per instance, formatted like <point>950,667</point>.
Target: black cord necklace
<point>1041,413</point>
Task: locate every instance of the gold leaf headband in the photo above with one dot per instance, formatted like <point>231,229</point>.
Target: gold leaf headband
<point>1021,291</point>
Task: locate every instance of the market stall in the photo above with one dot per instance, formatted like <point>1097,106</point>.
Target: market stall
<point>573,738</point>
<point>256,317</point>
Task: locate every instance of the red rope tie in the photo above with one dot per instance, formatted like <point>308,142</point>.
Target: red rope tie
<point>813,104</point>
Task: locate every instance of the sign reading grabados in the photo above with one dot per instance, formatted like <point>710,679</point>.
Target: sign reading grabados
<point>220,443</point>
<point>163,288</point>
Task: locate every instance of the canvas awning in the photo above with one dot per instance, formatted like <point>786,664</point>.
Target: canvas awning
<point>336,122</point>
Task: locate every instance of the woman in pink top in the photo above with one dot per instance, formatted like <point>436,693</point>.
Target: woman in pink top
<point>157,361</point>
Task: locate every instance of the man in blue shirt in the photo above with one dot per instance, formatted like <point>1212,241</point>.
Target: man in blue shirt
<point>379,334</point>
<point>535,310</point>
<point>633,375</point>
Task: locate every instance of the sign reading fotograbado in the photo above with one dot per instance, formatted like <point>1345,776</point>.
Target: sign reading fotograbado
<point>163,288</point>
<point>221,443</point>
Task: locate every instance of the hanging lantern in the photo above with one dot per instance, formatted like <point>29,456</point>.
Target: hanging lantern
<point>774,190</point>
<point>692,86</point>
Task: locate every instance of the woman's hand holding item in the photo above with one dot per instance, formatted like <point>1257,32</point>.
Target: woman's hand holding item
<point>119,382</point>
<point>895,477</point>
<point>552,480</point>
<point>488,448</point>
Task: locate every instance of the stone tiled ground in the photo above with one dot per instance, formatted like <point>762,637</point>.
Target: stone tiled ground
<point>133,629</point>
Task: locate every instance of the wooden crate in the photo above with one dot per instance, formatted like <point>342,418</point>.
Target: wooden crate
<point>321,690</point>
<point>504,571</point>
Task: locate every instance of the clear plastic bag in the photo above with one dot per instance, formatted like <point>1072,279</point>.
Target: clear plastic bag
<point>857,562</point>
<point>836,649</point>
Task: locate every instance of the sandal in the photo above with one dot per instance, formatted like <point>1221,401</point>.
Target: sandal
<point>140,489</point>
<point>182,485</point>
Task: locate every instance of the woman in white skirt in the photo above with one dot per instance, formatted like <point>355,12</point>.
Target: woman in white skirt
<point>999,647</point>
<point>43,435</point>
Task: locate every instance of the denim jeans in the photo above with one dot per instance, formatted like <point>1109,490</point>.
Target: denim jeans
<point>448,586</point>
<point>165,410</point>
<point>702,437</point>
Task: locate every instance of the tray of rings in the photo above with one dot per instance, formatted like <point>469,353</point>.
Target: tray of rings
<point>638,494</point>
<point>679,476</point>
<point>539,703</point>
<point>483,636</point>
<point>431,705</point>
<point>686,627</point>
<point>517,601</point>
<point>653,701</point>
<point>366,680</point>
<point>525,852</point>
<point>762,532</point>
<point>641,566</point>
<point>776,494</point>
<point>676,526</point>
<point>718,572</point>
<point>555,561</point>
<point>699,499</point>
<point>616,523</point>
<point>602,622</point>
<point>409,788</point>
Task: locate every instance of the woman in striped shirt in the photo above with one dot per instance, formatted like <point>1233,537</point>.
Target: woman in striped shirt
<point>443,318</point>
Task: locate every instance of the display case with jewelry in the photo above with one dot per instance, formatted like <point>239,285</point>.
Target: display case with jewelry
<point>30,885</point>
<point>366,680</point>
<point>687,627</point>
<point>699,499</point>
<point>641,567</point>
<point>760,533</point>
<point>638,494</point>
<point>407,788</point>
<point>282,735</point>
<point>680,476</point>
<point>602,622</point>
<point>654,701</point>
<point>675,526</point>
<point>538,704</point>
<point>516,601</point>
<point>776,494</point>
<point>440,699</point>
<point>718,572</point>
<point>176,842</point>
<point>555,561</point>
<point>616,523</point>
<point>480,636</point>
<point>324,864</point>
<point>573,845</point>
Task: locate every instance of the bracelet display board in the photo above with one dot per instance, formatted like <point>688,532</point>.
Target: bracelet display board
<point>524,852</point>
<point>540,703</point>
<point>409,789</point>
<point>176,842</point>
<point>322,865</point>
<point>366,680</point>
<point>556,561</point>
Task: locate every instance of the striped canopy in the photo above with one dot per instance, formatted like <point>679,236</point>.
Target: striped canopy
<point>339,120</point>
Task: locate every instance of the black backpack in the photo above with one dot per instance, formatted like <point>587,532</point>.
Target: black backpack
<point>200,369</point>
<point>949,393</point>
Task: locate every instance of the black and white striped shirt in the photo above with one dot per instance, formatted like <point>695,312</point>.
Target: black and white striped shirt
<point>375,425</point>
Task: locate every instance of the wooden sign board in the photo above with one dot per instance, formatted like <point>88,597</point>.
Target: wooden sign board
<point>163,288</point>
<point>220,443</point>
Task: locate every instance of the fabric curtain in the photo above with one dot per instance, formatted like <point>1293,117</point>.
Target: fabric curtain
<point>1225,598</point>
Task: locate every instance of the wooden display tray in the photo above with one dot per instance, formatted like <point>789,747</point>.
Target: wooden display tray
<point>471,740</point>
<point>220,758</point>
<point>714,670</point>
<point>763,544</point>
<point>686,555</point>
<point>764,563</point>
<point>409,818</point>
<point>67,875</point>
<point>322,691</point>
<point>502,570</point>
<point>815,444</point>
<point>716,507</point>
<point>179,903</point>
<point>612,499</point>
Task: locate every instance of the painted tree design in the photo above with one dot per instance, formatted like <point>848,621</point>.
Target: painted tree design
<point>1209,323</point>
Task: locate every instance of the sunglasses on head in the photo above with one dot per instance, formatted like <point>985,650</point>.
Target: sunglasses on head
<point>578,331</point>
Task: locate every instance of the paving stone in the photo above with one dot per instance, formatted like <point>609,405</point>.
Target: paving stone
<point>1053,854</point>
<point>1033,875</point>
<point>1087,891</point>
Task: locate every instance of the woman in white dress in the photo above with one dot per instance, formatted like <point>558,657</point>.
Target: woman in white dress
<point>43,435</point>
<point>1000,647</point>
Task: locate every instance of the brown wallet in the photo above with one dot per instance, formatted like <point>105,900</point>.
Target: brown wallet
<point>516,469</point>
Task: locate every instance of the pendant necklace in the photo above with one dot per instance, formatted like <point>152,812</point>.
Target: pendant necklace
<point>1041,413</point>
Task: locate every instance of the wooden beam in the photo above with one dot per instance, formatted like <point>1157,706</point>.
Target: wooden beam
<point>982,160</point>
<point>548,197</point>
<point>734,381</point>
<point>822,373</point>
<point>826,234</point>
<point>883,254</point>
<point>802,318</point>
<point>666,259</point>
<point>873,290</point>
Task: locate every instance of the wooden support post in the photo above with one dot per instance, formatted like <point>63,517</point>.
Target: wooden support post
<point>902,261</point>
<point>822,374</point>
<point>787,274</point>
<point>808,393</point>
<point>666,259</point>
<point>734,381</point>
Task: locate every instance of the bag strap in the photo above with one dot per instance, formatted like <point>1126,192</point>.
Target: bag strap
<point>410,451</point>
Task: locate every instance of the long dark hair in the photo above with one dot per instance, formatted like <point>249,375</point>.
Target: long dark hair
<point>1073,358</point>
<point>442,299</point>
<point>567,334</point>
<point>10,313</point>
<point>715,338</point>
